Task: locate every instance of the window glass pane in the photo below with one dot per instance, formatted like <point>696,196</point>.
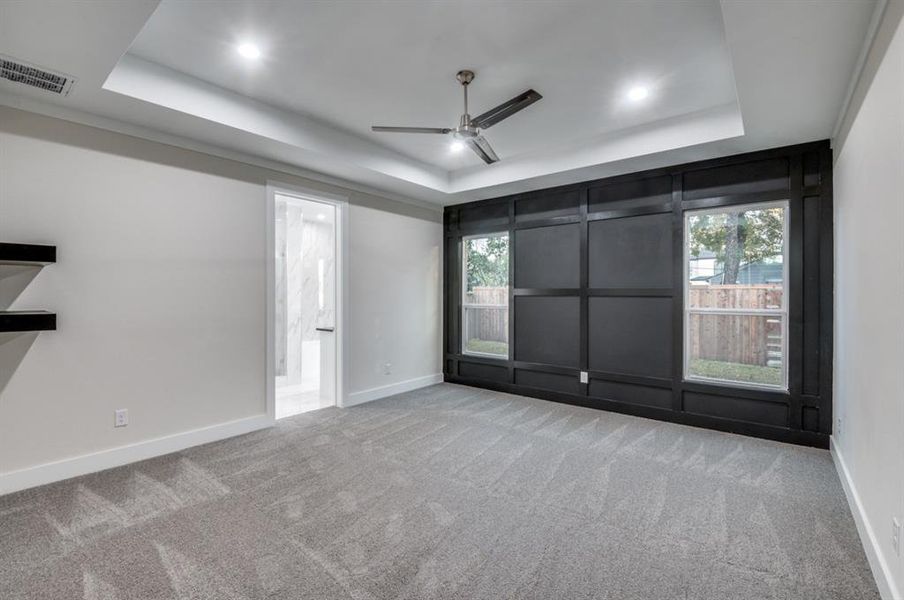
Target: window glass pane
<point>487,330</point>
<point>735,258</point>
<point>736,286</point>
<point>485,303</point>
<point>745,349</point>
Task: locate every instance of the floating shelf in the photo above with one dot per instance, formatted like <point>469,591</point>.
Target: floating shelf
<point>26,254</point>
<point>36,255</point>
<point>27,320</point>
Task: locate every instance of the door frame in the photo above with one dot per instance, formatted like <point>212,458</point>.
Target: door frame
<point>341,205</point>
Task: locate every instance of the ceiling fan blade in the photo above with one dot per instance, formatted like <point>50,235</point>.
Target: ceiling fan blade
<point>506,109</point>
<point>482,148</point>
<point>411,129</point>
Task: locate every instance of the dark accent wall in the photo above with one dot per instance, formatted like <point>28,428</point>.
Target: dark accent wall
<point>597,285</point>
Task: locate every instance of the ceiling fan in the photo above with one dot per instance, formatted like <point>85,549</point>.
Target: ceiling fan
<point>469,130</point>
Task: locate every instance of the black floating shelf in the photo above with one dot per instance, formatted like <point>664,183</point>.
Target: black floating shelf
<point>27,320</point>
<point>26,254</point>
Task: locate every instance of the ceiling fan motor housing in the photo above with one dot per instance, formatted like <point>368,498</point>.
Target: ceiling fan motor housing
<point>465,128</point>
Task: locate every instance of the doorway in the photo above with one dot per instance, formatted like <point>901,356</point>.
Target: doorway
<point>304,285</point>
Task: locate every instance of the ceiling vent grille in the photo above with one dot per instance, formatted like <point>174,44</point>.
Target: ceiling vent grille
<point>17,71</point>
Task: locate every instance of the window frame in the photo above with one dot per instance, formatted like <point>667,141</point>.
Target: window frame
<point>463,253</point>
<point>781,312</point>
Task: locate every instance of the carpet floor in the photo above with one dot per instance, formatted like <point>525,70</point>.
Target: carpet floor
<point>446,492</point>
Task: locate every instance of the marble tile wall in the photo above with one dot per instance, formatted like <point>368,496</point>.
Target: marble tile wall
<point>305,287</point>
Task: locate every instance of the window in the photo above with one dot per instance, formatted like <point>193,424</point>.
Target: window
<point>485,313</point>
<point>736,283</point>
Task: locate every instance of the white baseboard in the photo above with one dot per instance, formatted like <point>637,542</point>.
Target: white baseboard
<point>14,481</point>
<point>123,455</point>
<point>878,564</point>
<point>391,389</point>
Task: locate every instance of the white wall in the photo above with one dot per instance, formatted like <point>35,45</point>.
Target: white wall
<point>394,289</point>
<point>160,293</point>
<point>869,321</point>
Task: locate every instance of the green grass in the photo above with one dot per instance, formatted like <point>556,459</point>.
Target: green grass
<point>715,369</point>
<point>487,347</point>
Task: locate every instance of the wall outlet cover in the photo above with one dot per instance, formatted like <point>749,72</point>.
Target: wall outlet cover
<point>121,417</point>
<point>584,377</point>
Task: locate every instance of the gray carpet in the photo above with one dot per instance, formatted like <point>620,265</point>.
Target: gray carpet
<point>446,492</point>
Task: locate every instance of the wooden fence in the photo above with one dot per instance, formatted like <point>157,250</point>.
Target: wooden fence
<point>736,296</point>
<point>489,321</point>
<point>745,339</point>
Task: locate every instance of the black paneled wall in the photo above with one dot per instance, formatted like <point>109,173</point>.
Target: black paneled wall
<point>597,285</point>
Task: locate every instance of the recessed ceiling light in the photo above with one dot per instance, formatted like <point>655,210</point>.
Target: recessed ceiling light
<point>638,93</point>
<point>249,50</point>
<point>456,146</point>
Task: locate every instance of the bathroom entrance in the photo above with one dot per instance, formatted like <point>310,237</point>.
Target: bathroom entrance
<point>304,331</point>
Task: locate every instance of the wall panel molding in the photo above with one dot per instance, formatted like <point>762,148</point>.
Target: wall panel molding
<point>620,241</point>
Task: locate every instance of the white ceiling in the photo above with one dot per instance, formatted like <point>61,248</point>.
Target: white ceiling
<point>725,77</point>
<point>356,64</point>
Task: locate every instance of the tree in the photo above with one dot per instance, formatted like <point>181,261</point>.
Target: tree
<point>738,238</point>
<point>487,261</point>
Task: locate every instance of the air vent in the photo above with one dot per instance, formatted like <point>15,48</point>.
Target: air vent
<point>17,71</point>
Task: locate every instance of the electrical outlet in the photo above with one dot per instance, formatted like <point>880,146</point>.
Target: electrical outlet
<point>120,417</point>
<point>584,377</point>
<point>387,368</point>
<point>838,427</point>
<point>896,535</point>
